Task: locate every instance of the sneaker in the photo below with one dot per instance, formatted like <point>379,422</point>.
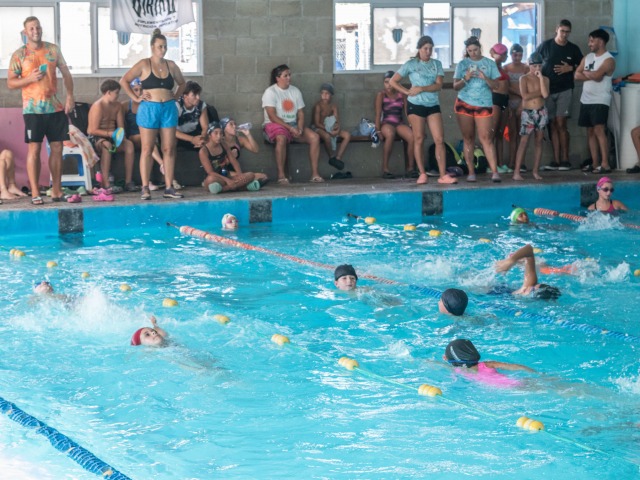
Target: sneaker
<point>146,194</point>
<point>131,187</point>
<point>552,166</point>
<point>171,193</point>
<point>176,185</point>
<point>564,166</point>
<point>433,173</point>
<point>523,169</point>
<point>504,169</point>
<point>495,178</point>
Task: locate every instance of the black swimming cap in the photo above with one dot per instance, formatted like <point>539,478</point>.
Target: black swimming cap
<point>462,352</point>
<point>516,47</point>
<point>455,301</point>
<point>389,74</point>
<point>535,59</point>
<point>343,270</point>
<point>546,292</point>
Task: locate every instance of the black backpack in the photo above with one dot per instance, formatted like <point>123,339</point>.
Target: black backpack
<point>453,159</point>
<point>79,117</point>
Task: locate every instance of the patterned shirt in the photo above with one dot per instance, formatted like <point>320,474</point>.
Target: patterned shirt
<point>423,74</point>
<point>39,97</point>
<point>476,92</point>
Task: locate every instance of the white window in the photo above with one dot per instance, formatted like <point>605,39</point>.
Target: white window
<point>82,29</point>
<point>377,35</point>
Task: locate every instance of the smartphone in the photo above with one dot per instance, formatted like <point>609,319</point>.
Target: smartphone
<point>473,67</point>
<point>43,67</point>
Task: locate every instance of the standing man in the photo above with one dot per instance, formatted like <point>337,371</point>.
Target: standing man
<point>596,71</point>
<point>560,58</point>
<point>33,69</point>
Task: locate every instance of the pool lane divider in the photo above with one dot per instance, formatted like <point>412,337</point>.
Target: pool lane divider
<point>514,312</point>
<point>61,442</point>
<point>432,391</point>
<point>545,212</point>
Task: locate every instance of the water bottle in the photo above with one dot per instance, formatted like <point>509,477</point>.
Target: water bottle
<point>224,172</point>
<point>245,126</point>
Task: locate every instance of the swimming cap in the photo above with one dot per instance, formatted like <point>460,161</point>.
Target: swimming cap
<point>535,59</point>
<point>213,126</point>
<point>224,122</point>
<point>328,87</point>
<point>546,292</point>
<point>500,48</point>
<point>135,338</point>
<point>136,81</point>
<point>602,181</point>
<point>462,352</point>
<point>343,270</point>
<point>516,47</point>
<point>226,218</point>
<point>455,301</point>
<point>389,74</point>
<point>516,213</point>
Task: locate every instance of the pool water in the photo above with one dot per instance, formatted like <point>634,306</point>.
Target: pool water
<point>223,401</point>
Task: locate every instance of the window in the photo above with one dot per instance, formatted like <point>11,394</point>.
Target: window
<point>377,35</point>
<point>87,41</point>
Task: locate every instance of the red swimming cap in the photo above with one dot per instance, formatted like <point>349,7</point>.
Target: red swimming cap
<point>135,338</point>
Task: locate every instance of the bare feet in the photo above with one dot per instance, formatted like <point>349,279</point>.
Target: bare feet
<point>536,176</point>
<point>16,191</point>
<point>517,177</point>
<point>6,195</point>
<point>422,179</point>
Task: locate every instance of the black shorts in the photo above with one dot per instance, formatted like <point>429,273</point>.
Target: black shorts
<point>500,100</point>
<point>593,114</point>
<point>54,126</point>
<point>421,110</point>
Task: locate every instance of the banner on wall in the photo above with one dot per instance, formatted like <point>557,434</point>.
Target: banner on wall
<point>143,16</point>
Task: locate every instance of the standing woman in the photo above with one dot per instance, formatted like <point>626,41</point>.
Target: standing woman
<point>423,105</point>
<point>474,79</point>
<point>500,97</point>
<point>157,110</point>
<point>390,108</point>
<point>515,70</point>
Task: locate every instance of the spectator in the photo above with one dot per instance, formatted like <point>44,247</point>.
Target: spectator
<point>500,97</point>
<point>157,111</point>
<point>474,80</point>
<point>32,69</point>
<point>326,123</point>
<point>635,138</point>
<point>8,188</point>
<point>515,70</point>
<point>560,58</point>
<point>596,70</point>
<point>105,116</point>
<point>423,106</point>
<point>390,107</point>
<point>284,122</point>
<point>193,118</point>
<point>235,138</point>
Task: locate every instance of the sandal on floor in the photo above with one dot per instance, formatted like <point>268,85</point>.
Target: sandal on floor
<point>103,196</point>
<point>337,176</point>
<point>471,178</point>
<point>587,168</point>
<point>37,201</point>
<point>422,179</point>
<point>215,188</point>
<point>447,180</point>
<point>75,198</point>
<point>634,169</point>
<point>283,181</point>
<point>601,170</point>
<point>495,178</point>
<point>253,186</point>
<point>317,180</point>
<point>388,176</point>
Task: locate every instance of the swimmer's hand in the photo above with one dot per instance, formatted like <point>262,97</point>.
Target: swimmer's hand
<point>154,322</point>
<point>504,265</point>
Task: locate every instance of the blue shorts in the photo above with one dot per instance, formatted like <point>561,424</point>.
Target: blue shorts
<point>157,114</point>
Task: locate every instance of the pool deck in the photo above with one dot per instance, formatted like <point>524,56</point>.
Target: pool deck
<point>330,188</point>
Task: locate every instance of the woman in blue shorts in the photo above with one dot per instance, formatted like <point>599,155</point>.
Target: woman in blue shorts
<point>157,110</point>
<point>474,79</point>
<point>423,105</point>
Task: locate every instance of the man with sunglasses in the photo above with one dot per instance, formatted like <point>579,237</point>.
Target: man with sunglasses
<point>560,58</point>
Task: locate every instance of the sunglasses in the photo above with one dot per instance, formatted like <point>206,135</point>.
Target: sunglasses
<point>607,189</point>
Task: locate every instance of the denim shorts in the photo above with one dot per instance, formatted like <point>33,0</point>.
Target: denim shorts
<point>157,114</point>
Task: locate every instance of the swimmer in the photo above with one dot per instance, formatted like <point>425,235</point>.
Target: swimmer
<point>462,353</point>
<point>153,337</point>
<point>44,290</point>
<point>345,278</point>
<point>229,222</point>
<point>530,286</point>
<point>519,216</point>
<point>605,203</point>
<point>453,301</point>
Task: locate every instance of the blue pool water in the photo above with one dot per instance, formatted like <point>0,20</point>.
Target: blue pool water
<point>225,402</point>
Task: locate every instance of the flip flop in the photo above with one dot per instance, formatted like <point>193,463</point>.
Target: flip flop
<point>317,180</point>
<point>103,196</point>
<point>348,175</point>
<point>283,181</point>
<point>471,178</point>
<point>334,162</point>
<point>57,199</point>
<point>495,178</point>
<point>337,176</point>
<point>422,179</point>
<point>447,179</point>
<point>388,176</point>
<point>75,198</point>
<point>37,201</point>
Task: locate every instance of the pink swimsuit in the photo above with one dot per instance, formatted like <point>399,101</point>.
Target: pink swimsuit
<point>491,376</point>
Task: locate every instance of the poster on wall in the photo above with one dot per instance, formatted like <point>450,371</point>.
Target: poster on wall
<point>143,16</point>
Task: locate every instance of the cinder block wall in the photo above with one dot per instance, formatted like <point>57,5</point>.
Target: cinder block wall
<point>245,39</point>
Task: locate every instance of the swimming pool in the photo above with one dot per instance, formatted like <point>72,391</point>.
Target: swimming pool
<point>224,401</point>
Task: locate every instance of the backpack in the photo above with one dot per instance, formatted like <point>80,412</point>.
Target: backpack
<point>481,163</point>
<point>452,157</point>
<point>79,117</point>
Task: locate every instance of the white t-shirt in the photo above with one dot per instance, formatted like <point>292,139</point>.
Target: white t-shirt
<point>596,93</point>
<point>286,102</point>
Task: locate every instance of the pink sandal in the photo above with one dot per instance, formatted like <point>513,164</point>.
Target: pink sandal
<point>422,179</point>
<point>75,198</point>
<point>102,195</point>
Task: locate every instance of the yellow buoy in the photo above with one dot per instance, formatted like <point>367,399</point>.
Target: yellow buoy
<point>12,252</point>
<point>429,390</point>
<point>348,363</point>
<point>370,220</point>
<point>409,228</point>
<point>169,302</point>
<point>484,240</point>
<point>637,272</point>
<point>19,253</point>
<point>537,250</point>
<point>221,319</point>
<point>85,275</point>
<point>529,424</point>
<point>51,264</point>
<point>125,288</point>
<point>279,339</point>
<point>435,233</point>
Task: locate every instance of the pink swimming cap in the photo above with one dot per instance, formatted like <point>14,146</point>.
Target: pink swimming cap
<point>602,181</point>
<point>135,338</point>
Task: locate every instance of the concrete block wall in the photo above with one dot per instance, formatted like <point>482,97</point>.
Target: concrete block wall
<point>245,39</point>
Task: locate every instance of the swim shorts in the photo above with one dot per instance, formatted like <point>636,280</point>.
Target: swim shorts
<point>154,115</point>
<point>533,120</point>
<point>463,108</point>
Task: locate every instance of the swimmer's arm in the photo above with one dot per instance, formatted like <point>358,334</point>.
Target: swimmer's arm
<point>159,330</point>
<point>593,206</point>
<point>618,205</point>
<point>508,366</point>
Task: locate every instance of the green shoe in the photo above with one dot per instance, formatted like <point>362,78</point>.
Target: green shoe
<point>253,186</point>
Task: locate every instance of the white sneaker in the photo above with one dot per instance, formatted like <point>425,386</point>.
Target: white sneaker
<point>176,185</point>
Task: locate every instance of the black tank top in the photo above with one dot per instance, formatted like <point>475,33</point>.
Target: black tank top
<point>218,161</point>
<point>155,82</point>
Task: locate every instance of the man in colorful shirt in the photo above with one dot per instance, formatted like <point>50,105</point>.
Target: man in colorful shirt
<point>33,70</point>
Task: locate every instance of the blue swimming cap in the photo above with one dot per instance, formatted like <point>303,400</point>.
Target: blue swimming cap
<point>224,122</point>
<point>213,126</point>
<point>136,81</point>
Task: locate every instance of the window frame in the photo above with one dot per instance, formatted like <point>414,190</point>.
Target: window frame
<point>539,27</point>
<point>96,71</point>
